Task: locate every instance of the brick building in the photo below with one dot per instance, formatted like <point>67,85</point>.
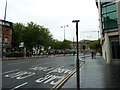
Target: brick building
<point>6,32</point>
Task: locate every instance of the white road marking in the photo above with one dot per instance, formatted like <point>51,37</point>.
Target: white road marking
<point>59,70</point>
<point>49,79</point>
<point>40,68</point>
<point>19,86</point>
<point>20,75</point>
<point>10,71</point>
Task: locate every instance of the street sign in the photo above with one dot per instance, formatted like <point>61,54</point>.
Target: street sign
<point>21,44</point>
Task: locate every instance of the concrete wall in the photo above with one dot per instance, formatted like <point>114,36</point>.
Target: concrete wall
<point>106,49</point>
<point>107,54</point>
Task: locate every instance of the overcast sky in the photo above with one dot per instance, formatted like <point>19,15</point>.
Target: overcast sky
<point>53,14</point>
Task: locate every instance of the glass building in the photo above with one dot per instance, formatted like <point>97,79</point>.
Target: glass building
<point>110,30</point>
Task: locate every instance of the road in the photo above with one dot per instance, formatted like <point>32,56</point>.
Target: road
<point>37,72</point>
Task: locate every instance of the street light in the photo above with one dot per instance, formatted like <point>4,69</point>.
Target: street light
<point>64,30</point>
<point>64,35</point>
<point>77,60</point>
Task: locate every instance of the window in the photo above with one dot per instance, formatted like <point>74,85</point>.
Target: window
<point>109,17</point>
<point>6,32</point>
<point>109,8</point>
<point>115,49</point>
<point>6,40</point>
<point>106,1</point>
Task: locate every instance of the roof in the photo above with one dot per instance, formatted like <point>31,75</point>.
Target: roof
<point>7,23</point>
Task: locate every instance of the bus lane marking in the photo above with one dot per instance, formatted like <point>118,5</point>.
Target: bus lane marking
<point>19,86</point>
<point>19,75</point>
<point>10,71</point>
<point>52,76</point>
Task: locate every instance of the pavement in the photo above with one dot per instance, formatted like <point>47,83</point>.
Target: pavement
<point>96,73</point>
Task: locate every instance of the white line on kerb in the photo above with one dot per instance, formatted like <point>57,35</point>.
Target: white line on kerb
<point>19,86</point>
<point>10,71</point>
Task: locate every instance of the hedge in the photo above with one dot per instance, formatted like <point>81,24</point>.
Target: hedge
<point>14,54</point>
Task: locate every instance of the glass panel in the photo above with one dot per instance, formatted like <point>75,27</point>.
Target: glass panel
<point>112,16</point>
<point>104,1</point>
<point>110,20</point>
<point>109,8</point>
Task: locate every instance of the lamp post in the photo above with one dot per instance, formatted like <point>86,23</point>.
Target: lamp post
<point>64,35</point>
<point>64,30</point>
<point>77,60</point>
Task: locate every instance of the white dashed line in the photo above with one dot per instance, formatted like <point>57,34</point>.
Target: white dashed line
<point>10,71</point>
<point>19,86</point>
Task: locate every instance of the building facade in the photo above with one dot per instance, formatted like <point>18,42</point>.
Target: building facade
<point>83,46</point>
<point>6,34</point>
<point>109,18</point>
<point>0,42</point>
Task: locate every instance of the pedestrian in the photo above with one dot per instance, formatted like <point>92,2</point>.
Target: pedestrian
<point>92,54</point>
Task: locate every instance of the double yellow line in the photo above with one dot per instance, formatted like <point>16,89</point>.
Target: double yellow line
<point>57,86</point>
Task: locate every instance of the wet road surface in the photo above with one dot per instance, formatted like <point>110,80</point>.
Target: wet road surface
<point>36,73</point>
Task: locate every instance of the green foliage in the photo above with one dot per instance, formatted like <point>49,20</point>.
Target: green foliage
<point>35,35</point>
<point>66,44</point>
<point>17,34</point>
<point>32,35</point>
<point>61,44</point>
<point>14,54</point>
<point>57,44</point>
<point>95,45</point>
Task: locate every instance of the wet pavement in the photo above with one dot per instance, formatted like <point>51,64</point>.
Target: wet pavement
<point>96,73</point>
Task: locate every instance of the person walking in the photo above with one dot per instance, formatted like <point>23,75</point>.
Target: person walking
<point>92,54</point>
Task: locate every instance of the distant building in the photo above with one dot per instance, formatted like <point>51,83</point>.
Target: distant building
<point>6,32</point>
<point>109,19</point>
<point>0,42</point>
<point>81,45</point>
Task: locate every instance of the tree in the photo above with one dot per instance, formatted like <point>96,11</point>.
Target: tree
<point>32,35</point>
<point>66,44</point>
<point>17,34</point>
<point>95,45</point>
<point>57,44</point>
